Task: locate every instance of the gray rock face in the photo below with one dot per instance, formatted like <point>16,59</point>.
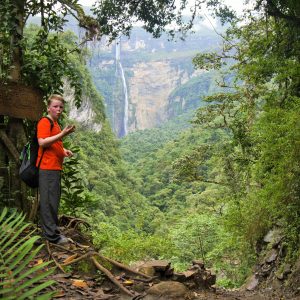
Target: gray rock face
<point>252,283</point>
<point>85,114</point>
<point>271,256</point>
<point>273,237</point>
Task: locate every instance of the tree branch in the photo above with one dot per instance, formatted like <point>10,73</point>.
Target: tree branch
<point>110,276</point>
<point>10,145</point>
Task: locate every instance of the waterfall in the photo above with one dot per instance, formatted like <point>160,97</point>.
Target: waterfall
<point>123,131</point>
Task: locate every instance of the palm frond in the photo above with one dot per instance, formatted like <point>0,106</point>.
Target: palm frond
<point>17,280</point>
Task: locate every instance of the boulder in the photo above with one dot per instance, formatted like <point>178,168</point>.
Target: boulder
<point>167,290</point>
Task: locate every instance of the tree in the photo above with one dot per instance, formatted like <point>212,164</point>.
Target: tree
<point>115,17</point>
<point>261,164</point>
<point>19,65</point>
<point>111,18</point>
<point>44,62</point>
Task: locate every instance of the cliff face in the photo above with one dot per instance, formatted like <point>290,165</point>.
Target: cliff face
<point>149,89</point>
<point>156,72</point>
<point>85,115</point>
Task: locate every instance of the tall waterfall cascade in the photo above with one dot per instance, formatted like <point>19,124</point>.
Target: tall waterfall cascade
<point>124,130</point>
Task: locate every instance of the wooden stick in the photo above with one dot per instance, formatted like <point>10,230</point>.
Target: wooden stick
<point>111,277</point>
<point>79,258</point>
<point>64,248</point>
<point>117,264</point>
<point>50,253</point>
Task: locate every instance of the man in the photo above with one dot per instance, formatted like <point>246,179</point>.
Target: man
<point>52,152</point>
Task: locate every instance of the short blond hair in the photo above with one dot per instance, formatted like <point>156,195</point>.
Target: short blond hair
<point>55,97</point>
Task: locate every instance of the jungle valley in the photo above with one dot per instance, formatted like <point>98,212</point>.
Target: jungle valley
<point>187,148</point>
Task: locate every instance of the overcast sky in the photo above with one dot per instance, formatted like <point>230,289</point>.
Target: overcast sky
<point>236,4</point>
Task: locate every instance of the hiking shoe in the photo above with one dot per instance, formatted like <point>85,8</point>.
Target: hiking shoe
<point>62,240</point>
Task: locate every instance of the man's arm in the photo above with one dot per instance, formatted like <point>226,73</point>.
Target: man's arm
<point>48,141</point>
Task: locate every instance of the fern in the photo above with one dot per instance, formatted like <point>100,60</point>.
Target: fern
<point>16,252</point>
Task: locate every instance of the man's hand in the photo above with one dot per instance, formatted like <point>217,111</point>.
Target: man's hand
<point>68,153</point>
<point>68,129</point>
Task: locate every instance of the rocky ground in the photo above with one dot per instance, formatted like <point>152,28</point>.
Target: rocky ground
<point>83,273</point>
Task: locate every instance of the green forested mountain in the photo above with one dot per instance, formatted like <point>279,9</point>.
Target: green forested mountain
<point>234,176</point>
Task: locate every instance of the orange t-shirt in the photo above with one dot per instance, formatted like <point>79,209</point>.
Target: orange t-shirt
<point>53,155</point>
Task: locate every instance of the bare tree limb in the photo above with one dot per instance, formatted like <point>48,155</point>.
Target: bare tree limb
<point>110,276</point>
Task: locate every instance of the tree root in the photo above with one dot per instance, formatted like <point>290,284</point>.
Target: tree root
<point>52,257</point>
<point>70,221</point>
<point>86,255</point>
<point>101,268</point>
<point>92,256</point>
<point>78,222</point>
<point>63,248</point>
<point>117,264</point>
<point>110,276</point>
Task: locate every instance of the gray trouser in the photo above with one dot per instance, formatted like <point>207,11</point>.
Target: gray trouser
<point>50,189</point>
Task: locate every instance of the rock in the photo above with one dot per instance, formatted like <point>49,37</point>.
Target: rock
<point>167,290</point>
<point>273,237</point>
<point>139,287</point>
<point>286,270</point>
<point>158,265</point>
<point>159,268</point>
<point>169,272</point>
<point>271,256</point>
<point>148,270</point>
<point>179,277</point>
<point>211,279</point>
<point>189,274</point>
<point>279,276</point>
<point>265,270</point>
<point>196,277</point>
<point>198,263</point>
<point>252,283</point>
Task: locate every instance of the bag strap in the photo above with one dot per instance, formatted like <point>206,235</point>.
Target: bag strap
<point>41,159</point>
<point>51,127</point>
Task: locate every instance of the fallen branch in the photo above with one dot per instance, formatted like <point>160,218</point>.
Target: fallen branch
<point>64,248</point>
<point>86,255</point>
<point>117,264</point>
<point>110,276</point>
<point>52,257</point>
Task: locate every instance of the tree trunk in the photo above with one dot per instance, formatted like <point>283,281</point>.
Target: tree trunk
<point>16,133</point>
<point>15,128</point>
<point>4,174</point>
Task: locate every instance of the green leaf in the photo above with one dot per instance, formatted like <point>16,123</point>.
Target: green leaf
<point>31,281</point>
<point>14,261</point>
